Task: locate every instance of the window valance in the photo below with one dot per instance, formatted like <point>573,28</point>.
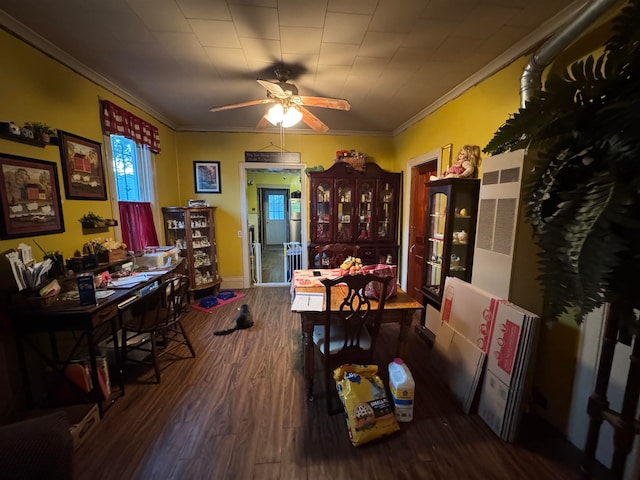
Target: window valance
<point>118,121</point>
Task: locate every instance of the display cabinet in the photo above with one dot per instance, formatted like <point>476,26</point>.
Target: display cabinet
<point>192,230</point>
<point>451,227</point>
<point>358,206</point>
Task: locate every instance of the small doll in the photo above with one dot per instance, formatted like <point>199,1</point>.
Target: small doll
<point>466,165</point>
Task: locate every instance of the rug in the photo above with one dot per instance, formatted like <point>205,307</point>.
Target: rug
<point>220,303</point>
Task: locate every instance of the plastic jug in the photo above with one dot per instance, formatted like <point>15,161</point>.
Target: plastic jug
<point>402,388</point>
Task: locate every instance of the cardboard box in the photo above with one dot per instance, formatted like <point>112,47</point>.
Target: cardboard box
<point>459,364</point>
<point>470,310</point>
<point>83,419</point>
<point>506,385</point>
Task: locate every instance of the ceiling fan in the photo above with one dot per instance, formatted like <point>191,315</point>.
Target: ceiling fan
<point>282,92</point>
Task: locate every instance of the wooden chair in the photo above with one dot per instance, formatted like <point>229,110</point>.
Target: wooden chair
<point>351,330</point>
<point>333,254</point>
<point>153,317</point>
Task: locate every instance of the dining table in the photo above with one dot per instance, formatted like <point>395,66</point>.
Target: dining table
<point>399,308</point>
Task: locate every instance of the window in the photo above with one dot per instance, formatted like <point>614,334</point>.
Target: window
<point>276,207</point>
<point>132,170</point>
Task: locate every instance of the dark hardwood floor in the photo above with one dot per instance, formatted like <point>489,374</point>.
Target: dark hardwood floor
<point>238,411</point>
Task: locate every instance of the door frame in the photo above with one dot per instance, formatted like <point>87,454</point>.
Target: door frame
<point>406,200</point>
<point>244,214</point>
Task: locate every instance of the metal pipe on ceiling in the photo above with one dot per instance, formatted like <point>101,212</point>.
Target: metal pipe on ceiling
<point>531,79</point>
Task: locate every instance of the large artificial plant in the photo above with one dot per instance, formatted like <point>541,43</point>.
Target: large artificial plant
<point>583,191</point>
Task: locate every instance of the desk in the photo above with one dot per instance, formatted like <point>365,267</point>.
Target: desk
<point>397,309</point>
<point>69,316</point>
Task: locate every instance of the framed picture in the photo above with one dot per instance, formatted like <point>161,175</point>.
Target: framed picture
<point>30,197</point>
<point>82,168</point>
<point>207,177</point>
<point>446,154</point>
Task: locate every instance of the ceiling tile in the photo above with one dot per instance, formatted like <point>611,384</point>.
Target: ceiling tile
<point>337,54</point>
<point>366,7</point>
<point>256,22</point>
<point>160,15</point>
<point>294,13</point>
<point>215,33</point>
<point>378,44</point>
<point>345,28</point>
<point>300,40</point>
<point>389,18</point>
<point>204,9</point>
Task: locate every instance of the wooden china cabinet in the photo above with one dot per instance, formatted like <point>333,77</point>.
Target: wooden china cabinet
<point>193,231</point>
<point>356,206</point>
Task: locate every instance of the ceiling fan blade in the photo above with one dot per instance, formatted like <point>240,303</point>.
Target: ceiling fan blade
<point>324,102</point>
<point>273,88</point>
<point>243,104</point>
<point>310,119</point>
<point>263,123</point>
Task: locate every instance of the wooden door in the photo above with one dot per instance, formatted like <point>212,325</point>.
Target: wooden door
<point>417,226</point>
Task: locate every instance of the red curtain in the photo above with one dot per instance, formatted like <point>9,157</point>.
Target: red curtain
<point>137,225</point>
<point>117,121</point>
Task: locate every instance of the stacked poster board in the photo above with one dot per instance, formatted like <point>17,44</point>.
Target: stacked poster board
<point>486,343</point>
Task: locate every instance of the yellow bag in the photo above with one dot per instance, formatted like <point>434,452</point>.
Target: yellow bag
<point>367,409</point>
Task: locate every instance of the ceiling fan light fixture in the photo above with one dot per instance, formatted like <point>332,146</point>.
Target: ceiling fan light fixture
<point>288,118</point>
<point>291,117</point>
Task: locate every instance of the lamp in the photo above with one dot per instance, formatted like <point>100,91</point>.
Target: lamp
<point>289,117</point>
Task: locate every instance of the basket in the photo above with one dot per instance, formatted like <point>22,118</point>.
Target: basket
<point>357,162</point>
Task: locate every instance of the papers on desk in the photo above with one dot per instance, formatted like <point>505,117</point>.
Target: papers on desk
<point>308,302</point>
<point>131,281</point>
<point>104,293</point>
<point>28,277</point>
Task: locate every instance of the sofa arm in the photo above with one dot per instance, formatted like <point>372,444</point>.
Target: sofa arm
<point>39,447</point>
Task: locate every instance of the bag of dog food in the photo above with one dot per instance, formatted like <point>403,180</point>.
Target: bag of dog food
<point>367,409</point>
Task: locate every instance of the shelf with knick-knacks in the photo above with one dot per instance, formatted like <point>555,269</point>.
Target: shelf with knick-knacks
<point>192,231</point>
<point>451,224</point>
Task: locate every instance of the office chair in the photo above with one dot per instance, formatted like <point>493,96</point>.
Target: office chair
<point>333,254</point>
<point>351,326</point>
<point>156,315</point>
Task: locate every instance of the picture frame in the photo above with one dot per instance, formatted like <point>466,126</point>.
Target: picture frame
<point>82,167</point>
<point>30,197</point>
<point>446,154</point>
<point>206,176</point>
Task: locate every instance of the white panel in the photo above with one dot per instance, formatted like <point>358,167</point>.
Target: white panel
<point>494,250</point>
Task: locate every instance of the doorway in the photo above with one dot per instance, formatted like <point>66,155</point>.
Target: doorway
<point>271,196</point>
<point>414,219</point>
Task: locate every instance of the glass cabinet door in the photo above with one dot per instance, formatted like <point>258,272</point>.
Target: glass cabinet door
<point>365,210</point>
<point>451,229</point>
<point>385,211</point>
<point>203,248</point>
<point>436,224</point>
<point>344,193</point>
<point>323,213</point>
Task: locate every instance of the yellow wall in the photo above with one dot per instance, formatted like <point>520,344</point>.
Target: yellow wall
<point>229,148</point>
<point>37,88</point>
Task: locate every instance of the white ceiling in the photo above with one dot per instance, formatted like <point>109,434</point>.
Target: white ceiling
<point>393,60</point>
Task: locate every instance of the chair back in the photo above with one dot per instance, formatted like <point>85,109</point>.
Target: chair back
<point>334,254</point>
<point>357,321</point>
<point>159,309</point>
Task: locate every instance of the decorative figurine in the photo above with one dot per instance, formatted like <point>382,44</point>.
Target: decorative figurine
<point>466,165</point>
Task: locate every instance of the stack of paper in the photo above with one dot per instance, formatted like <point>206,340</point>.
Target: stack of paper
<point>308,302</point>
<point>28,277</point>
<point>505,382</point>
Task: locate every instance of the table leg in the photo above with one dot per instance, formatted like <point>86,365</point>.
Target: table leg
<point>307,351</point>
<point>405,325</point>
